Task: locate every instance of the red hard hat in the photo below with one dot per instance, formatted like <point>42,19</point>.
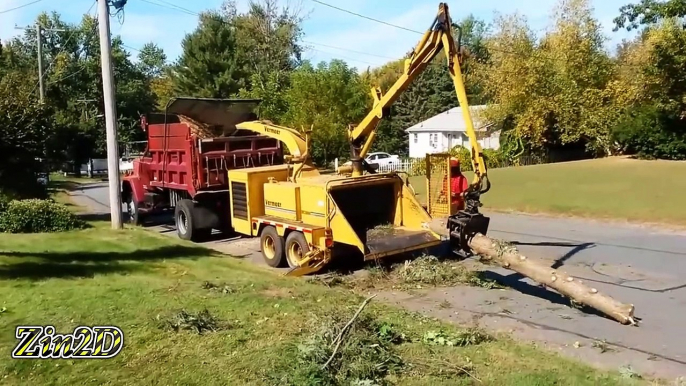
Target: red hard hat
<point>454,162</point>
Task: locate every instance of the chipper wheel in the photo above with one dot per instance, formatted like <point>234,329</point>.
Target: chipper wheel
<point>296,248</point>
<point>272,247</point>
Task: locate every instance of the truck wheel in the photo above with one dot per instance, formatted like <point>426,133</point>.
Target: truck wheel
<point>184,217</point>
<point>296,248</point>
<point>133,214</point>
<point>271,245</point>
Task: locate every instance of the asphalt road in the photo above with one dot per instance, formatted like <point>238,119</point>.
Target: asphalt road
<point>639,265</point>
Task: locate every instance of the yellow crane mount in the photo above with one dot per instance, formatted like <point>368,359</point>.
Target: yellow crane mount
<point>464,224</point>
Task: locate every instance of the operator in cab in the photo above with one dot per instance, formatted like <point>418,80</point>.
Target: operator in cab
<point>458,185</point>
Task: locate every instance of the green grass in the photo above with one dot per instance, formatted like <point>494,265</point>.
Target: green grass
<point>611,188</point>
<point>137,280</point>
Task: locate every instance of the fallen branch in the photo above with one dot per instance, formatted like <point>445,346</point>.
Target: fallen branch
<point>339,338</point>
<point>445,365</point>
<point>508,257</point>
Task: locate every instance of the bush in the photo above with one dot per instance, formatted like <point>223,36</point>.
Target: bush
<point>650,132</point>
<point>37,216</point>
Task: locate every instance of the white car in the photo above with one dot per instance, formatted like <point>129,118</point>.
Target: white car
<point>382,159</point>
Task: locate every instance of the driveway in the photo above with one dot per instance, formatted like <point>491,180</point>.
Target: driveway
<point>635,264</point>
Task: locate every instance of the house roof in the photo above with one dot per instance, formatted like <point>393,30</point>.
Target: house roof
<point>450,121</point>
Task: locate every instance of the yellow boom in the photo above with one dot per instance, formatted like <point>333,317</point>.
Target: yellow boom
<point>438,37</point>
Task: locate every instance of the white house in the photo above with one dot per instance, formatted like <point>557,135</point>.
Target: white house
<point>446,130</point>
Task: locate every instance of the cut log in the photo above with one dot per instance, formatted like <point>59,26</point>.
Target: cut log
<point>508,257</point>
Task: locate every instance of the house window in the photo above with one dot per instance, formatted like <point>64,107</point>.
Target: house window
<point>415,138</point>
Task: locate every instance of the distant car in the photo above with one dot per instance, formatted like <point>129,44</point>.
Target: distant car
<point>383,160</point>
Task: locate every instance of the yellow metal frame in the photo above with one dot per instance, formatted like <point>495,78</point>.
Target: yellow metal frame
<point>438,187</point>
<point>438,37</point>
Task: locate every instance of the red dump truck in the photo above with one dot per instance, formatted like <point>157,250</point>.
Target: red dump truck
<point>190,147</point>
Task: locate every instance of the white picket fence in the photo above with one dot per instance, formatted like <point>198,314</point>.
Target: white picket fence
<point>404,165</point>
<point>407,165</point>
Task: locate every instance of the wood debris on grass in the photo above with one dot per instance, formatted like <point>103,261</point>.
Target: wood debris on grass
<point>426,270</point>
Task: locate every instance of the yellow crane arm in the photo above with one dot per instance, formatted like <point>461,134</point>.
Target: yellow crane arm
<point>296,144</point>
<point>291,138</point>
<point>438,36</point>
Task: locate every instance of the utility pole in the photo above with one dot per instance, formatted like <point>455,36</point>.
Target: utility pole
<point>39,32</point>
<point>110,113</point>
<point>39,43</point>
<point>84,117</point>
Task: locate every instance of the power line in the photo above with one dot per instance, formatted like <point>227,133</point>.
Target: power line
<point>20,6</point>
<point>178,7</point>
<point>366,17</point>
<point>402,28</point>
<point>172,6</point>
<point>349,50</point>
<point>169,5</point>
<point>83,67</point>
<point>131,48</point>
<point>343,57</point>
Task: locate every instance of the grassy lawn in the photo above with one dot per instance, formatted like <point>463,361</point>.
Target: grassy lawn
<point>268,329</point>
<point>617,188</point>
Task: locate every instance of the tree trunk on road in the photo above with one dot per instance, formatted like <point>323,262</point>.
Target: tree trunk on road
<point>508,257</point>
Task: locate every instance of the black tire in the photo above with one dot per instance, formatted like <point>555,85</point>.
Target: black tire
<point>133,215</point>
<point>184,218</point>
<point>271,245</point>
<point>296,248</point>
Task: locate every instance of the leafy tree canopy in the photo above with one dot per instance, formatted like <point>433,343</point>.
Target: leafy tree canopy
<point>648,12</point>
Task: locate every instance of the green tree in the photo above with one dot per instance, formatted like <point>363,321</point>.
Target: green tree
<point>653,123</point>
<point>24,132</point>
<point>552,93</point>
<point>210,65</point>
<point>329,97</point>
<point>632,16</point>
<point>73,87</point>
<point>152,60</point>
<point>267,38</point>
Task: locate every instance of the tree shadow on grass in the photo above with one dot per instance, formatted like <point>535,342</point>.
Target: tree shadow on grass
<point>88,264</point>
<point>47,270</point>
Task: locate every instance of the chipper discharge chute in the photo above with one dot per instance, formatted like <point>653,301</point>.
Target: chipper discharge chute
<point>379,215</point>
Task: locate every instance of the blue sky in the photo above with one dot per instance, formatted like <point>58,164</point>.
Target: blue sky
<point>375,43</point>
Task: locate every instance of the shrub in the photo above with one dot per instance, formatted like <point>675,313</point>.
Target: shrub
<point>37,216</point>
<point>651,132</point>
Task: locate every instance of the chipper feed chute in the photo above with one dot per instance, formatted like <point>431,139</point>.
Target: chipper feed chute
<point>379,215</point>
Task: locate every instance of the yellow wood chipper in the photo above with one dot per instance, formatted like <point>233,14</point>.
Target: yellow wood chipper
<point>304,218</point>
